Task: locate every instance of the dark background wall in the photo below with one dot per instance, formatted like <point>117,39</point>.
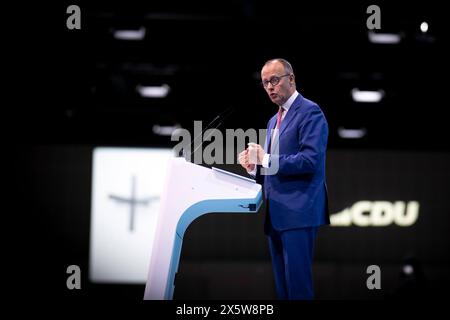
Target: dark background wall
<point>210,53</point>
<point>225,256</point>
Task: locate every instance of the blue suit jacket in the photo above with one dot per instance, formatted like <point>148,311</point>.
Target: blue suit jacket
<point>297,193</point>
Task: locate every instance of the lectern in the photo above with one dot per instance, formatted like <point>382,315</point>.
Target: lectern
<point>190,191</point>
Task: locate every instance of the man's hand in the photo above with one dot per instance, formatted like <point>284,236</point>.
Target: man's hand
<point>255,153</point>
<point>245,161</point>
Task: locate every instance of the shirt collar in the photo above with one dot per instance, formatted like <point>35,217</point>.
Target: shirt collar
<point>289,101</point>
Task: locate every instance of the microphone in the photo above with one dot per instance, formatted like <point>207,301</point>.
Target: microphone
<point>219,118</point>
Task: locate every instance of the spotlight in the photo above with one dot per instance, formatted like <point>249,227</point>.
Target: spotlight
<point>154,91</point>
<point>384,38</point>
<point>351,133</point>
<point>367,96</point>
<point>130,34</point>
<point>424,27</point>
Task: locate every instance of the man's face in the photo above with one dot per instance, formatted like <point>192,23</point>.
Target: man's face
<point>280,92</point>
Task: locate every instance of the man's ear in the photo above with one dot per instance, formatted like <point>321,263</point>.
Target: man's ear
<point>292,79</point>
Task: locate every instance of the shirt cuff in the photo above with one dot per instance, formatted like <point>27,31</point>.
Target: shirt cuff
<point>266,160</point>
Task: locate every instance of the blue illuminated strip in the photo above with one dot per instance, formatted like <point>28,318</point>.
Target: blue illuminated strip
<point>195,211</point>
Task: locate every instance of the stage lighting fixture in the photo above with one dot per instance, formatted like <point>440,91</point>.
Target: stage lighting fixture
<point>133,35</point>
<point>384,38</point>
<point>351,133</point>
<point>154,91</point>
<point>371,96</point>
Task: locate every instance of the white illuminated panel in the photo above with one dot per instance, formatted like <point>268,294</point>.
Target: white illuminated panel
<point>126,188</point>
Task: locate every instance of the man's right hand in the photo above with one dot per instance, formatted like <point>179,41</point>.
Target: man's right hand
<point>244,161</point>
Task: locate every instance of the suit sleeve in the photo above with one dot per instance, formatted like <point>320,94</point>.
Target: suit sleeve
<point>259,178</point>
<point>312,141</point>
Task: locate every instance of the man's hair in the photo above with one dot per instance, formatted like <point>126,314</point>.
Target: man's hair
<point>287,66</point>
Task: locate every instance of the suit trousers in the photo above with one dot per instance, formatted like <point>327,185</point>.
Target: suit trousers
<point>292,254</point>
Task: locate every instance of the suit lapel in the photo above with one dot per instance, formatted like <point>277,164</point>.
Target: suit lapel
<point>270,127</point>
<point>291,113</point>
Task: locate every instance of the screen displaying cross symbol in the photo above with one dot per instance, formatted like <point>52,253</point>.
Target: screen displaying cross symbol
<point>132,201</point>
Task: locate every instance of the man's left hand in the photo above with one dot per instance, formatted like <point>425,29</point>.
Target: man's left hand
<point>256,153</point>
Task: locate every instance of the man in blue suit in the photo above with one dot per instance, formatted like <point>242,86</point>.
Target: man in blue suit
<point>292,168</point>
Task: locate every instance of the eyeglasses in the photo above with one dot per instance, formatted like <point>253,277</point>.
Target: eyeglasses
<point>274,80</point>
